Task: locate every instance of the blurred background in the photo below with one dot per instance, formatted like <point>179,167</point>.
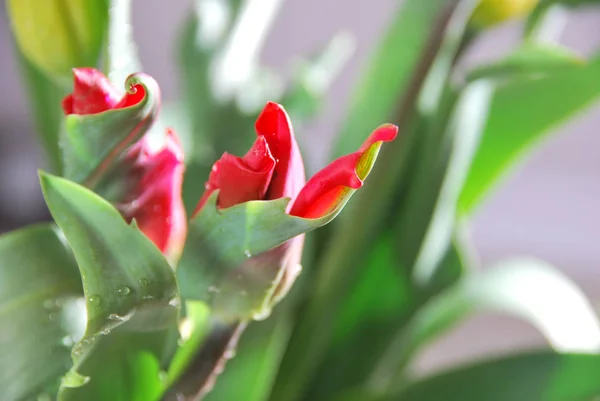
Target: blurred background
<point>548,207</point>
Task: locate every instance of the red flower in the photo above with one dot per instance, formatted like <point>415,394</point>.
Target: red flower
<point>149,181</point>
<point>94,93</point>
<point>273,169</point>
<point>155,200</point>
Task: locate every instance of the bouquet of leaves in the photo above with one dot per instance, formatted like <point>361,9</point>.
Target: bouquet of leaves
<point>190,258</point>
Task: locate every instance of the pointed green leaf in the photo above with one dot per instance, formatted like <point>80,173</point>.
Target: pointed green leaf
<point>530,60</point>
<point>521,114</point>
<point>219,243</point>
<point>91,143</point>
<point>527,289</point>
<point>44,100</point>
<point>428,217</point>
<point>541,376</point>
<point>130,290</point>
<point>387,75</point>
<point>41,310</point>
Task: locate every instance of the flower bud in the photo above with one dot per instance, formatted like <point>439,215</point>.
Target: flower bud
<point>58,35</point>
<point>492,12</point>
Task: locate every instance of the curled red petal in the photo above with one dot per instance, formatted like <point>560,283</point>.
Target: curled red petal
<point>93,93</point>
<point>274,125</point>
<point>328,187</point>
<point>156,202</point>
<point>241,179</point>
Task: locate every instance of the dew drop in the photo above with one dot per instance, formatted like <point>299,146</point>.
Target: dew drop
<point>147,297</point>
<point>118,318</point>
<point>247,253</point>
<point>95,300</point>
<point>144,282</point>
<point>67,341</point>
<point>77,349</point>
<point>124,290</point>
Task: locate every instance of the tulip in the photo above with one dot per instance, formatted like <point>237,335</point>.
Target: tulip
<point>57,35</point>
<point>273,169</point>
<point>144,183</point>
<point>93,93</point>
<point>492,12</point>
<point>154,201</point>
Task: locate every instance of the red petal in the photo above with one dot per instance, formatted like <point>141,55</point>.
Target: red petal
<point>157,204</point>
<point>241,179</point>
<point>94,93</point>
<point>288,178</point>
<point>323,192</point>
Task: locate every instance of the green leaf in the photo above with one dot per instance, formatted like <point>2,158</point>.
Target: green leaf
<point>219,243</point>
<point>521,114</point>
<point>41,310</point>
<point>122,58</point>
<point>91,143</point>
<point>130,290</point>
<point>389,70</point>
<point>530,60</point>
<point>524,288</point>
<point>428,218</point>
<point>541,376</point>
<point>44,99</point>
<point>341,263</point>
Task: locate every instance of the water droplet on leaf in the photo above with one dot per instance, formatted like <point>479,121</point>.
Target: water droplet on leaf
<point>114,316</point>
<point>247,253</point>
<point>95,300</point>
<point>67,341</point>
<point>124,290</point>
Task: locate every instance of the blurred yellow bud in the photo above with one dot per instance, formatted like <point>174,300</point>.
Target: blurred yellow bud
<point>491,12</point>
<point>58,35</point>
